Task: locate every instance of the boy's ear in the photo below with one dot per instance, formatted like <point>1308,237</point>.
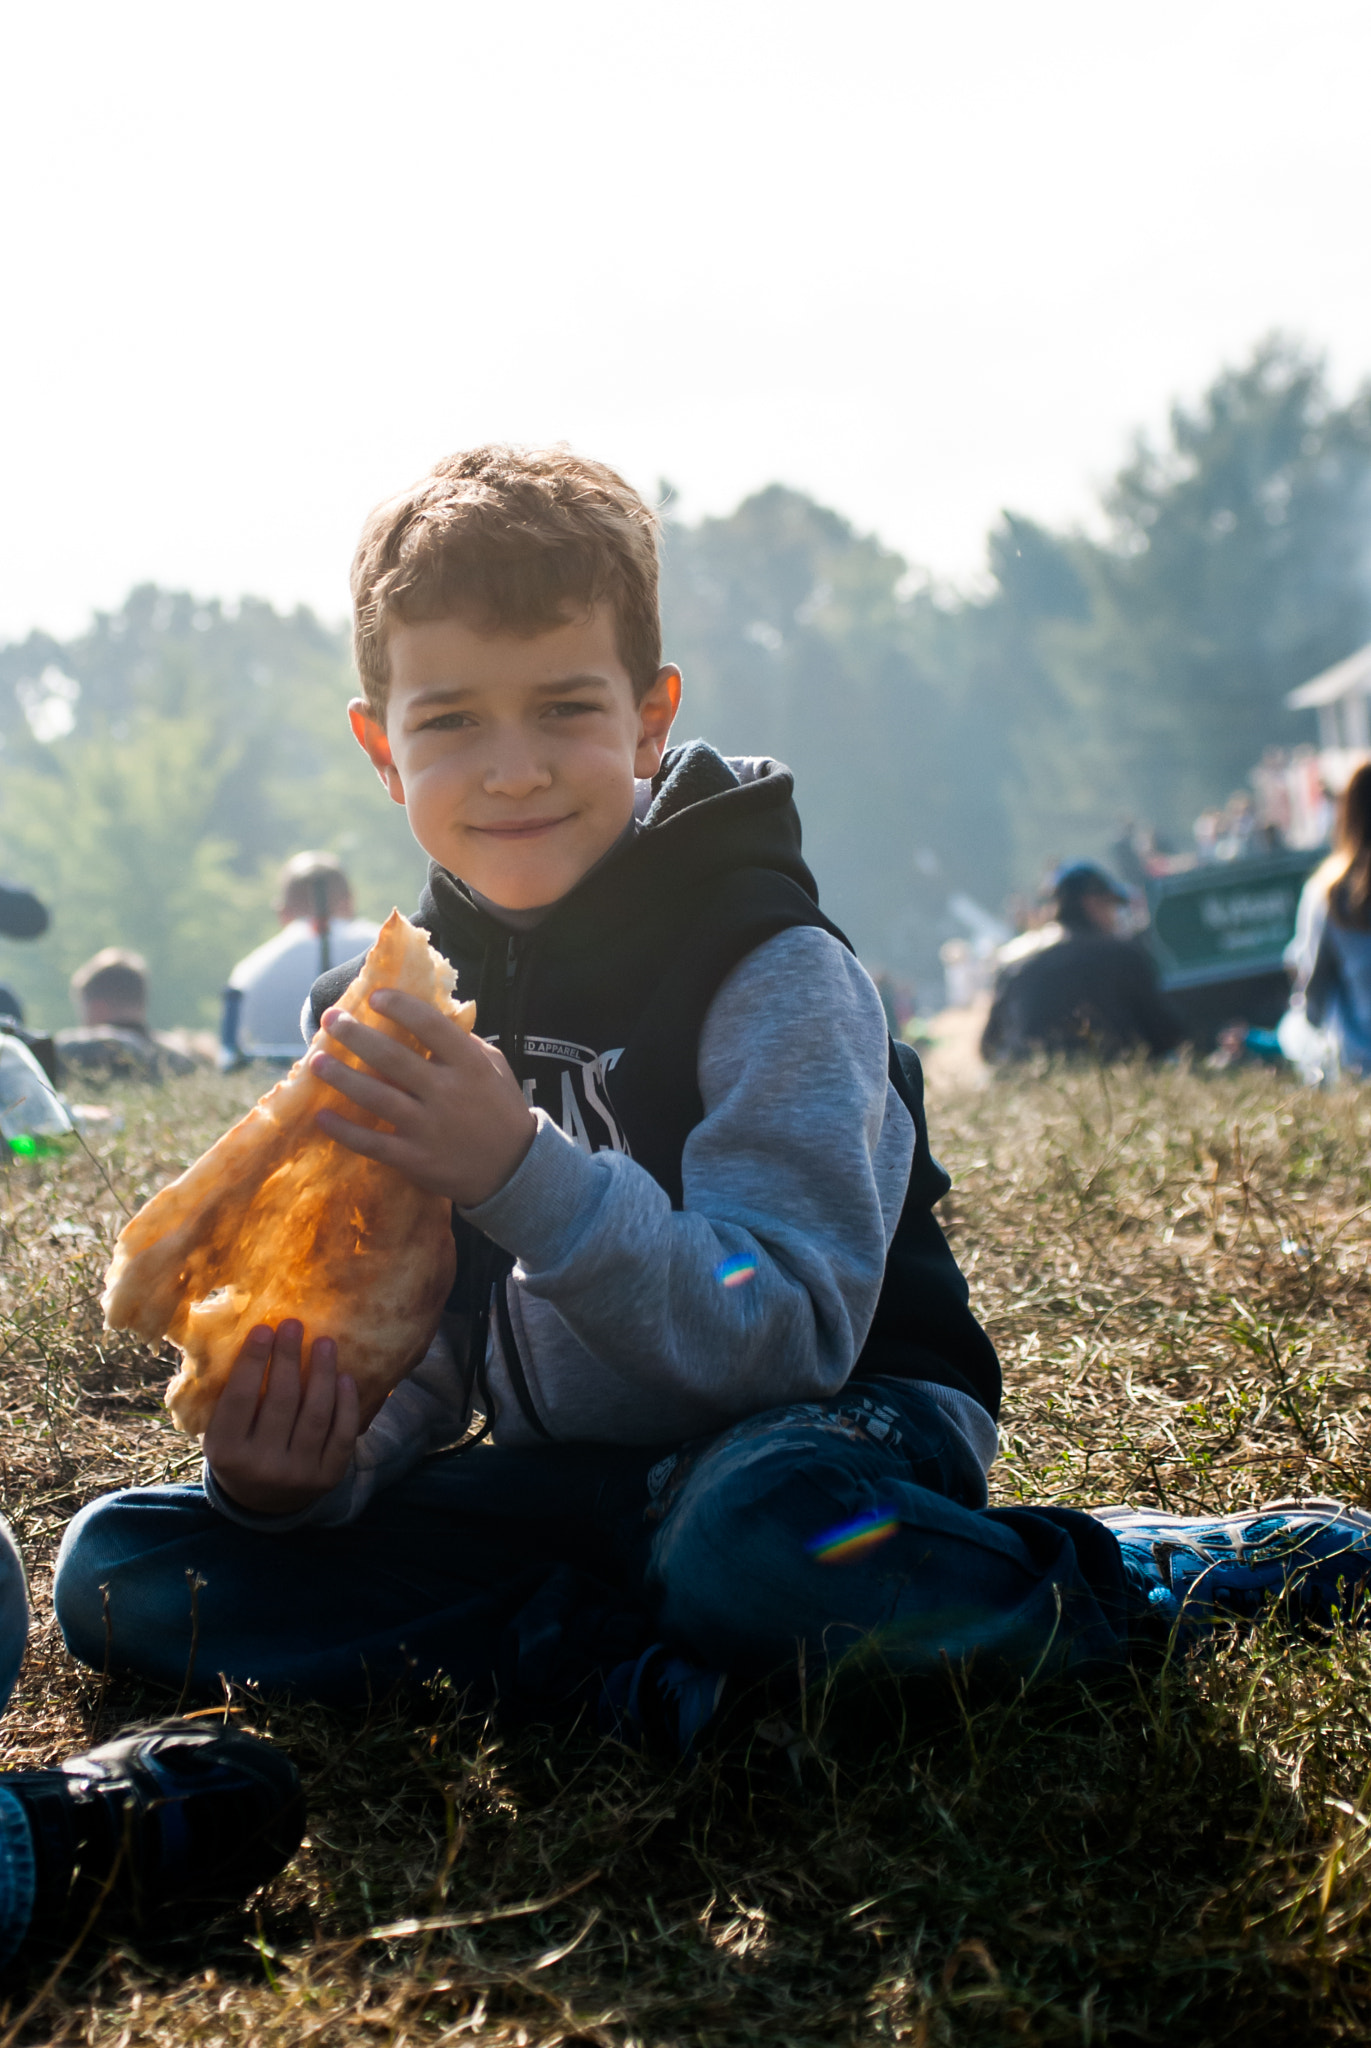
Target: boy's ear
<point>655,714</point>
<point>371,738</point>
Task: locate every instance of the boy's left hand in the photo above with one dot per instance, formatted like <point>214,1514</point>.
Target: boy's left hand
<point>461,1124</point>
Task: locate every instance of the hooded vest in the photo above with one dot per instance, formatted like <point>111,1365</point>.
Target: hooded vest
<point>599,1008</point>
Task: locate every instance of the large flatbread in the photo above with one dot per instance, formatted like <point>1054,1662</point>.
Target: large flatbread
<point>279,1220</point>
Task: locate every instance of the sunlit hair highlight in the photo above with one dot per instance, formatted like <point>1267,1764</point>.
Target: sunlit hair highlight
<point>1349,896</point>
<point>512,540</point>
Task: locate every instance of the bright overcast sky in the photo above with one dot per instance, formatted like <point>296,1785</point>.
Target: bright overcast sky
<point>263,263</point>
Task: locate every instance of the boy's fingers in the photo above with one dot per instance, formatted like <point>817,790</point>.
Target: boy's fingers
<point>236,1406</point>
<point>281,1401</point>
<point>316,1404</point>
<point>378,1098</point>
<point>383,1054</point>
<point>382,1145</point>
<point>439,1033</point>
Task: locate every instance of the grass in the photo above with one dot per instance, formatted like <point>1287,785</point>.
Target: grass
<point>1173,1266</point>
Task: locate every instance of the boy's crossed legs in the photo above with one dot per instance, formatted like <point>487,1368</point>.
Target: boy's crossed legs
<point>532,1575</point>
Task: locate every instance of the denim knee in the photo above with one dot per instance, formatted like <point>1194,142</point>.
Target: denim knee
<point>733,1568</point>
<point>836,1557</point>
<point>14,1612</point>
<point>107,1535</point>
<point>76,1596</point>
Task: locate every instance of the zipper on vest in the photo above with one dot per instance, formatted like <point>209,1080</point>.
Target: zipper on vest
<point>512,1008</point>
<point>507,1037</point>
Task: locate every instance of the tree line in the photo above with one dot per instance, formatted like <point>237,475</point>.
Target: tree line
<point>155,769</point>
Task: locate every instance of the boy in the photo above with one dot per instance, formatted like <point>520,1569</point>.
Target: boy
<point>740,1407</point>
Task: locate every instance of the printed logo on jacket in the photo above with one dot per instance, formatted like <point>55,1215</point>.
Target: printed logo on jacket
<point>569,1084</point>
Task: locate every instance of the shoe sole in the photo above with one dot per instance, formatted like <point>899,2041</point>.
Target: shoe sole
<point>1331,1510</point>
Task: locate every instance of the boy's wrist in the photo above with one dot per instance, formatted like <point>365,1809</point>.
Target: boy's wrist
<point>547,1195</point>
<point>256,1498</point>
<point>501,1163</point>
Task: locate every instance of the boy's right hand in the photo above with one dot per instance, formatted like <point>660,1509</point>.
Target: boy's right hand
<point>277,1448</point>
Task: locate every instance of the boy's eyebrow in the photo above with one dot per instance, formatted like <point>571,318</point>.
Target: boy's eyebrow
<point>452,693</point>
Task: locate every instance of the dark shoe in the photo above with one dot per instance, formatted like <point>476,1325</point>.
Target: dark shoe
<point>1187,1572</point>
<point>183,1812</point>
<point>662,1704</point>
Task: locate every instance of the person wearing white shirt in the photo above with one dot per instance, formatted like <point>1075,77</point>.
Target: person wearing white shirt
<point>267,991</point>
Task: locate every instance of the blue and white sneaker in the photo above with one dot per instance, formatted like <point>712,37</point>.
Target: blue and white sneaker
<point>662,1703</point>
<point>1191,1571</point>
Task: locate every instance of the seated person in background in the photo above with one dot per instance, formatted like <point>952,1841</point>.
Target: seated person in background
<point>111,997</point>
<point>22,916</point>
<point>1089,990</point>
<point>173,1814</point>
<point>267,991</point>
<point>1329,1018</point>
<point>40,1043</point>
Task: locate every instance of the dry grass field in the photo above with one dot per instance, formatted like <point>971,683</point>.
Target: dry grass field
<point>1173,1266</point>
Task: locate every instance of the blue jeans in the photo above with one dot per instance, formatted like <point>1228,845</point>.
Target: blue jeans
<point>16,1843</point>
<point>527,1575</point>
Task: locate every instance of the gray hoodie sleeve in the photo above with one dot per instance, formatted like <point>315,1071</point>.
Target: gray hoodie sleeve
<point>640,1324</point>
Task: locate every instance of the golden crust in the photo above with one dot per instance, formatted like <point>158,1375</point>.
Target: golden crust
<point>278,1220</point>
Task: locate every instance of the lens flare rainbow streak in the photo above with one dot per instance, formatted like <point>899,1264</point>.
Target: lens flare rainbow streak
<point>853,1539</point>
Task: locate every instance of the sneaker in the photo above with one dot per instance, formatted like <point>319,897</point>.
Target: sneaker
<point>1191,1571</point>
<point>183,1812</point>
<point>662,1704</point>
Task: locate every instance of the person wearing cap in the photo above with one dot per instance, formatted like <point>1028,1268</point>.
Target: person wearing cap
<point>1089,991</point>
<point>267,991</point>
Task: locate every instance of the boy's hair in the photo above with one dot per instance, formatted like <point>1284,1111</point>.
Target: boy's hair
<point>113,976</point>
<point>515,540</point>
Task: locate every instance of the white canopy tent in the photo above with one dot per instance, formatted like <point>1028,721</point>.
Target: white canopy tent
<point>1341,697</point>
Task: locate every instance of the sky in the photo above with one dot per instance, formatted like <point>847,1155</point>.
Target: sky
<point>263,264</point>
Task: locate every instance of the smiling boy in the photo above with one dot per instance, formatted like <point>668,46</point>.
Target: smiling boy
<point>738,1404</point>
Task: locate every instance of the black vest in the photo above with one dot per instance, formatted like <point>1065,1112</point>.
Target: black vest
<point>599,1009</point>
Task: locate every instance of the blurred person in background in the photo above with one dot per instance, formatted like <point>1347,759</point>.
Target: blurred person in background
<point>1208,832</point>
<point>22,916</point>
<point>897,1000</point>
<point>1088,989</point>
<point>112,1041</point>
<point>1330,954</point>
<point>1238,837</point>
<point>267,991</point>
<point>1312,810</point>
<point>1140,852</point>
<point>964,974</point>
<point>1271,781</point>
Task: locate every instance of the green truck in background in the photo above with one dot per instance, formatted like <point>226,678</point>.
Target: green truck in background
<point>1218,933</point>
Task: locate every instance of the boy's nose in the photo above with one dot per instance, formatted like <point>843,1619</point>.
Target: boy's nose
<point>515,770</point>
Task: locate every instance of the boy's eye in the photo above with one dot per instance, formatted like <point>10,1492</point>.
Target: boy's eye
<point>570,709</point>
<point>446,721</point>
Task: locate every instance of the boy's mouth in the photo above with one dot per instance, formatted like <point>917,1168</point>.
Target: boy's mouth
<point>522,828</point>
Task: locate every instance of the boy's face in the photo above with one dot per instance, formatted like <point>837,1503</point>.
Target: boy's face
<point>515,758</point>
